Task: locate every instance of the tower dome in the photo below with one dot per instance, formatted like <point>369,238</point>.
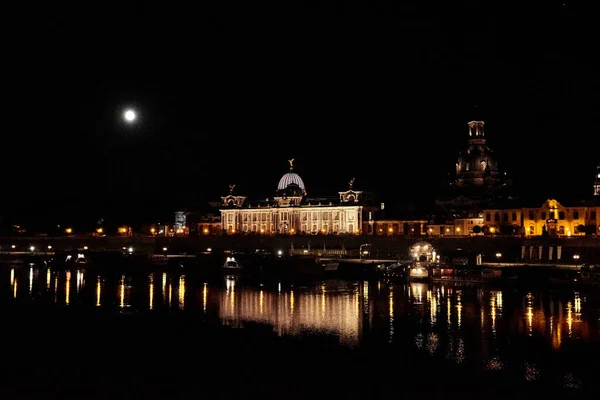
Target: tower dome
<point>290,178</point>
<point>477,162</point>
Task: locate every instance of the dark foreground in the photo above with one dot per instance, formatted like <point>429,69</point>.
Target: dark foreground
<point>70,335</point>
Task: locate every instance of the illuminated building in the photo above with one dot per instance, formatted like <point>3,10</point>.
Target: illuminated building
<point>551,218</point>
<point>290,211</point>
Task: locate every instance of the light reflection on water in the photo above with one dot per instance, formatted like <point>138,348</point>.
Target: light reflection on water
<point>458,323</point>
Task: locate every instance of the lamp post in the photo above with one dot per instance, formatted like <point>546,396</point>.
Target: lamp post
<point>498,257</point>
<point>360,250</point>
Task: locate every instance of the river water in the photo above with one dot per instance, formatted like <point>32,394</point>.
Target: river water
<point>174,334</point>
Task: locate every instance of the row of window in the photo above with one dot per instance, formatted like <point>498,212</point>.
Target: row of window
<point>315,228</point>
<point>550,215</point>
<point>325,215</point>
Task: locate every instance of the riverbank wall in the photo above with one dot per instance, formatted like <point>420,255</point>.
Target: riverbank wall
<point>494,249</point>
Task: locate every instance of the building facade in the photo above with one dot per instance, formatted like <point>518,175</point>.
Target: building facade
<point>290,211</point>
<point>468,226</point>
<point>551,218</point>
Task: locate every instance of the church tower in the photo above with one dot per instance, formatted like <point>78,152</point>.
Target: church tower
<point>476,164</point>
<point>597,181</point>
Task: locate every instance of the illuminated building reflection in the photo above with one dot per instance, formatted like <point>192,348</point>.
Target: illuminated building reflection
<point>365,297</point>
<point>170,291</point>
<point>433,307</point>
<point>204,296</point>
<point>164,287</point>
<point>13,283</point>
<point>182,292</point>
<point>459,308</point>
<point>124,290</point>
<point>570,318</point>
<point>449,310</point>
<point>391,307</point>
<point>48,280</point>
<point>80,280</point>
<point>529,314</point>
<point>30,280</point>
<point>98,292</point>
<point>151,291</point>
<point>321,311</point>
<point>68,288</point>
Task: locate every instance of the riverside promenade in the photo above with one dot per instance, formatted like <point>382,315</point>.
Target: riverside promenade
<point>494,250</point>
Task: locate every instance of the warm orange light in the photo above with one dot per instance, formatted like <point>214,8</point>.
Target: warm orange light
<point>492,229</point>
<point>123,229</point>
<point>152,230</point>
<point>99,230</point>
<point>205,230</point>
<point>390,230</point>
<point>457,229</point>
<point>430,229</point>
<point>292,230</point>
<point>262,230</point>
<point>69,230</point>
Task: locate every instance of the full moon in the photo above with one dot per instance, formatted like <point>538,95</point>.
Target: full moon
<point>129,115</point>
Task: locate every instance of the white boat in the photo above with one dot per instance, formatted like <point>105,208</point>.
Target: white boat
<point>80,259</point>
<point>231,264</point>
<point>418,270</point>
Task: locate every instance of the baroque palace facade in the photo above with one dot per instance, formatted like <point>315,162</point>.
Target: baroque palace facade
<point>290,211</point>
<point>553,218</point>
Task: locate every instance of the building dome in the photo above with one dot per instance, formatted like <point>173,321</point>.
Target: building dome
<point>290,178</point>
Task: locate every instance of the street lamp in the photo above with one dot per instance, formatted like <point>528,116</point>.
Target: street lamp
<point>498,256</point>
<point>361,252</point>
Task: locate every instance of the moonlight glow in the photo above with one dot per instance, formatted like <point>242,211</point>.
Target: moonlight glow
<point>129,115</point>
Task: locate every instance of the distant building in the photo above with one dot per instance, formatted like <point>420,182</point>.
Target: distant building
<point>291,211</point>
<point>476,182</point>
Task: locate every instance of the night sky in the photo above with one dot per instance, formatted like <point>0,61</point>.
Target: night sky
<point>228,94</point>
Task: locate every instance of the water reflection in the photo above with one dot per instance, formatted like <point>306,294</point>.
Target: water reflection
<point>322,310</point>
<point>480,324</point>
<point>164,287</point>
<point>68,288</point>
<point>181,292</point>
<point>151,291</point>
<point>80,280</point>
<point>30,280</point>
<point>204,296</point>
<point>98,291</point>
<point>391,306</point>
